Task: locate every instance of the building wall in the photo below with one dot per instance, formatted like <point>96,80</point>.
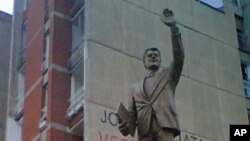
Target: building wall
<point>57,26</point>
<point>5,32</point>
<point>246,11</point>
<point>12,130</point>
<point>58,29</point>
<point>15,50</point>
<point>246,15</point>
<point>209,96</point>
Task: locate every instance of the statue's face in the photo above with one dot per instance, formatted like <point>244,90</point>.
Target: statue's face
<point>152,60</point>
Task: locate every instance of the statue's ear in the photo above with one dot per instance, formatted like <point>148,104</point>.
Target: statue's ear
<point>144,63</point>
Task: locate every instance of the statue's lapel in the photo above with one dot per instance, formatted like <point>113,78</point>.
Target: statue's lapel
<point>143,90</point>
<point>159,84</point>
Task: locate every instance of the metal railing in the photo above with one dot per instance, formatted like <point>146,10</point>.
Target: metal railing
<point>77,96</point>
<point>237,3</point>
<point>247,94</point>
<point>76,55</point>
<point>246,88</point>
<point>242,42</point>
<point>22,58</point>
<point>76,5</point>
<point>46,7</point>
<point>76,103</point>
<point>19,106</point>
<point>248,104</point>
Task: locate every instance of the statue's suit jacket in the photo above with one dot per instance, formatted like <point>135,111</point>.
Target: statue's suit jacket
<point>158,101</point>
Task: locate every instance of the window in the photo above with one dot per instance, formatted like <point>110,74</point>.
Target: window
<point>242,38</point>
<point>76,59</point>
<point>14,129</point>
<point>77,84</point>
<point>25,4</point>
<point>46,9</point>
<point>45,66</point>
<point>77,90</point>
<point>237,3</point>
<point>76,5</point>
<point>216,4</point>
<point>24,35</point>
<point>21,71</point>
<point>77,34</point>
<point>19,123</point>
<point>245,69</point>
<point>22,53</point>
<point>21,93</point>
<point>77,30</point>
<point>16,125</point>
<point>77,38</point>
<point>44,111</point>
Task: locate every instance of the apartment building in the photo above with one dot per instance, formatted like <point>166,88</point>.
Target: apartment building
<point>242,12</point>
<point>47,74</point>
<point>5,33</point>
<point>74,61</point>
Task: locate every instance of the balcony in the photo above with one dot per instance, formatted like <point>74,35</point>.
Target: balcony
<point>248,104</point>
<point>76,103</point>
<point>43,120</point>
<point>78,128</point>
<point>75,111</point>
<point>242,38</point>
<point>46,17</point>
<point>22,60</point>
<point>44,66</point>
<point>44,69</point>
<point>78,96</point>
<point>247,94</point>
<point>76,56</point>
<point>237,3</point>
<point>247,88</point>
<point>19,109</point>
<point>76,6</point>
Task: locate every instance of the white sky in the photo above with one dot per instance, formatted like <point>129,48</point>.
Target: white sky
<point>214,3</point>
<point>6,6</point>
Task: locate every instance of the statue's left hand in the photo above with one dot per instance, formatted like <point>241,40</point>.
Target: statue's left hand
<point>168,17</point>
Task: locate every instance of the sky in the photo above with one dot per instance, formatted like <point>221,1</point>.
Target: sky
<point>6,6</point>
<point>214,3</point>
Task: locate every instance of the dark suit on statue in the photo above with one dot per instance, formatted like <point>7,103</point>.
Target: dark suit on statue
<point>153,99</point>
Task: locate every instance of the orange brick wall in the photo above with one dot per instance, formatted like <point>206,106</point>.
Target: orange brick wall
<point>58,82</point>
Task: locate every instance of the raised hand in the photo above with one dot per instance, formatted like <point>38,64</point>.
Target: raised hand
<point>168,18</point>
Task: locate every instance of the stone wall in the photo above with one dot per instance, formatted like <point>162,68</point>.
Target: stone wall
<point>209,96</point>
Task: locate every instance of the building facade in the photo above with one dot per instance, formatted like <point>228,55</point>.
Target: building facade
<point>5,34</point>
<point>41,106</point>
<point>242,10</point>
<point>74,61</point>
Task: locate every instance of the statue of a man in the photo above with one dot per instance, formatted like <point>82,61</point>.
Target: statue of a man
<point>152,100</point>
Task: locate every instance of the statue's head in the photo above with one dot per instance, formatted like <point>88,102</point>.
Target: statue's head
<point>152,59</point>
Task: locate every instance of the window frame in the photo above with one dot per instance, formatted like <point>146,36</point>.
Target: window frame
<point>222,10</point>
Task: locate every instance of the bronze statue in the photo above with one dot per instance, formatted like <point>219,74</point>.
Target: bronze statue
<point>152,100</point>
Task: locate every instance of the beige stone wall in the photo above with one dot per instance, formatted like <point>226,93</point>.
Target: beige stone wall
<point>209,96</point>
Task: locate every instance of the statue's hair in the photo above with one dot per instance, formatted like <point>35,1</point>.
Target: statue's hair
<point>152,49</point>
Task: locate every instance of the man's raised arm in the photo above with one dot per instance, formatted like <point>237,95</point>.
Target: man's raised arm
<point>177,47</point>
